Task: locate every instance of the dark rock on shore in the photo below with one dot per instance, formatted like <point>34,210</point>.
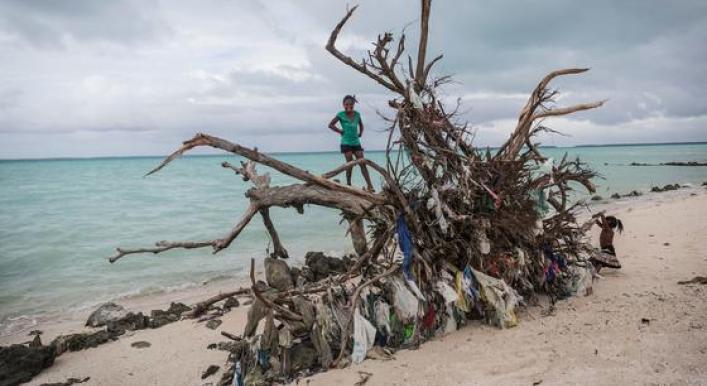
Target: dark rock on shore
<point>178,308</point>
<point>141,344</point>
<point>633,193</point>
<point>130,322</point>
<point>213,323</point>
<point>597,198</point>
<point>159,318</point>
<point>211,370</point>
<point>105,313</point>
<point>615,196</point>
<point>36,342</point>
<point>668,187</point>
<point>231,303</point>
<point>277,274</point>
<point>77,342</point>
<point>321,266</point>
<point>19,363</point>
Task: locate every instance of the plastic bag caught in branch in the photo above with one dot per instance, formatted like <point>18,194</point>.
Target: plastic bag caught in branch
<point>364,337</point>
<point>414,98</point>
<point>436,203</point>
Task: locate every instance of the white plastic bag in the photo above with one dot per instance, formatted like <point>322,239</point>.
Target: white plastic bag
<point>501,298</point>
<point>447,292</point>
<point>405,302</point>
<point>414,98</point>
<point>364,337</point>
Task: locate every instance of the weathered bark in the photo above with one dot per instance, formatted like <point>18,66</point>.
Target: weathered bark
<point>278,249</point>
<point>201,307</point>
<point>358,236</point>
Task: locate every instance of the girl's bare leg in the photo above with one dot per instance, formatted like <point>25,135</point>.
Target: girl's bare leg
<point>349,157</point>
<point>364,171</point>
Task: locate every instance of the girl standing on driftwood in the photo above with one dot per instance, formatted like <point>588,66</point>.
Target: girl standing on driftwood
<point>351,131</point>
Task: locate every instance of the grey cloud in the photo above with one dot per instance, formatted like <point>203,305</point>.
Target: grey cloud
<point>257,71</point>
<point>48,24</point>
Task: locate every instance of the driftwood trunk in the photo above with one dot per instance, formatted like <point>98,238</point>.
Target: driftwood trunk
<point>463,206</point>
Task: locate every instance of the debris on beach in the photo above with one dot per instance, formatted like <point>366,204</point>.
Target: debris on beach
<point>363,378</point>
<point>456,233</point>
<point>68,382</point>
<point>211,370</point>
<point>694,280</point>
<point>141,344</point>
<point>213,324</point>
<point>230,303</point>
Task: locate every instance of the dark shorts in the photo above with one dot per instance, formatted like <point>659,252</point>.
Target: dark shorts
<point>351,148</point>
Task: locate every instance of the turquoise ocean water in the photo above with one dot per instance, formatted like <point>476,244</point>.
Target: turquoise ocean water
<point>61,219</point>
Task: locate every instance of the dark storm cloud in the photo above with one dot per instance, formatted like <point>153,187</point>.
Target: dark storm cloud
<point>256,71</point>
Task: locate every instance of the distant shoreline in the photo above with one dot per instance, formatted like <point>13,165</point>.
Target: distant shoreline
<point>641,144</point>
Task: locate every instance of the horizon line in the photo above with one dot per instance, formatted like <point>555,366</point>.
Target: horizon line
<point>77,158</point>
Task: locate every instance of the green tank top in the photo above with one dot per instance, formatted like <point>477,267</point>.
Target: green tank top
<point>350,128</point>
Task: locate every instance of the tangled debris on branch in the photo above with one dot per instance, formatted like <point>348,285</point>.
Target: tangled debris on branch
<point>455,232</point>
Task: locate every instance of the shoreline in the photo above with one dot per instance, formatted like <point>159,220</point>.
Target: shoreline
<point>72,320</point>
<point>179,350</point>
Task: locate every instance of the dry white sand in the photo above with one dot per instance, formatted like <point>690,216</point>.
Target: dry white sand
<point>598,340</point>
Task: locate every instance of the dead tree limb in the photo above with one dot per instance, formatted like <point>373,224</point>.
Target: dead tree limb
<point>201,307</point>
<point>360,67</point>
<point>278,249</point>
<point>422,47</point>
<point>291,315</point>
<point>529,113</point>
<point>263,159</point>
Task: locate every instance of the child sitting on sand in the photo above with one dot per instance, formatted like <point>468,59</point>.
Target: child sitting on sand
<point>607,257</point>
<point>350,121</point>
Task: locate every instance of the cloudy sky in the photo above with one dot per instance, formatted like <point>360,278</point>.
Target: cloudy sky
<point>104,78</point>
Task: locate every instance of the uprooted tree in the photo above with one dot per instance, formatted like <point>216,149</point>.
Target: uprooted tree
<point>460,206</point>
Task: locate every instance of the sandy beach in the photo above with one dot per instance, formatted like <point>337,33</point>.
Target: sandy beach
<point>639,326</point>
